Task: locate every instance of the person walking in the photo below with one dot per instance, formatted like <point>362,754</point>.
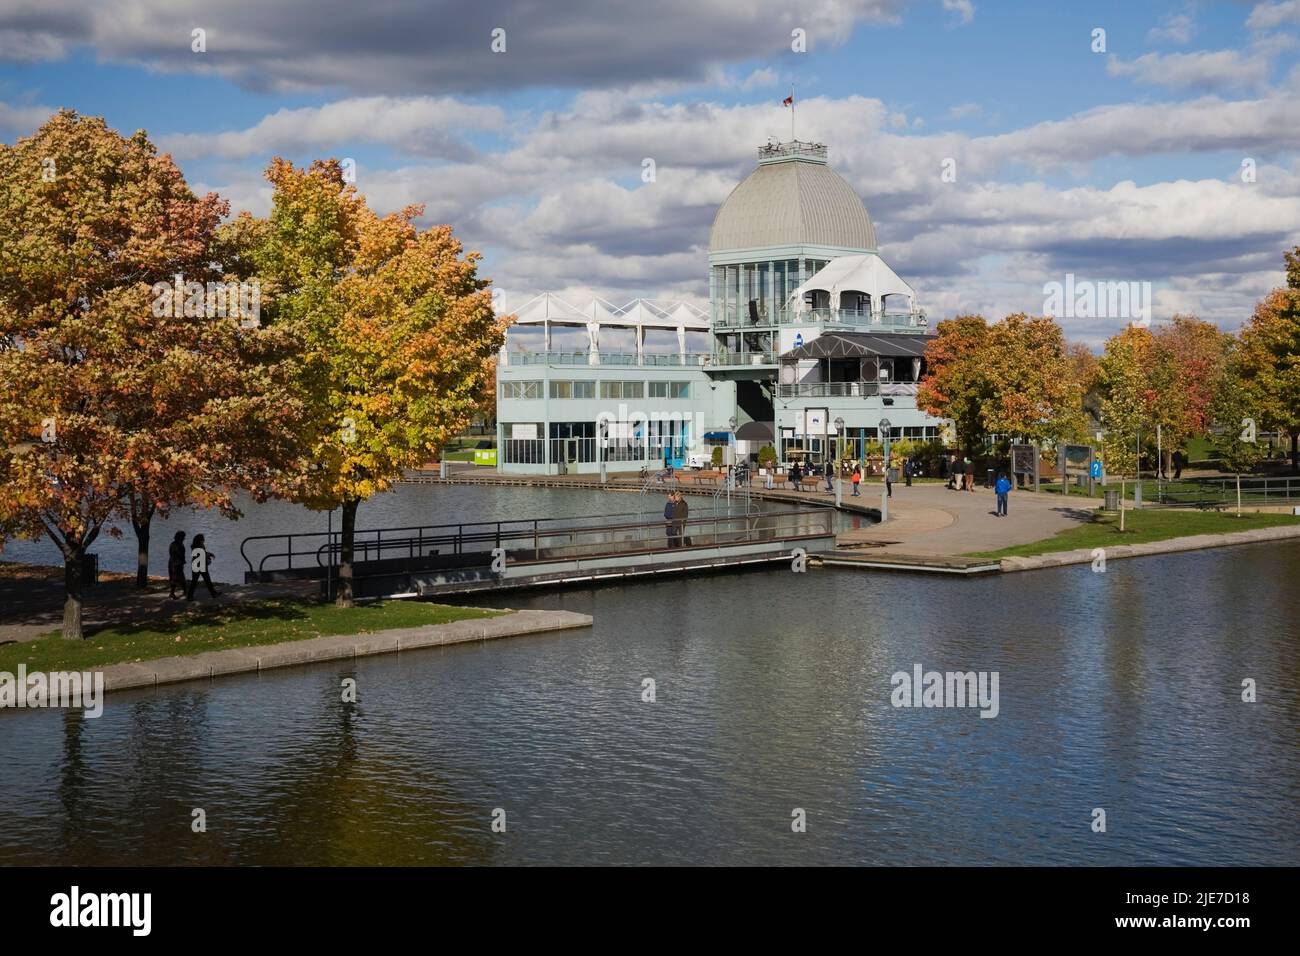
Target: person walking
<point>1002,489</point>
<point>1178,465</point>
<point>795,475</point>
<point>889,482</point>
<point>670,520</point>
<point>950,466</point>
<point>857,480</point>
<point>908,469</point>
<point>176,564</point>
<point>830,475</point>
<point>681,510</point>
<point>200,567</point>
<point>970,474</point>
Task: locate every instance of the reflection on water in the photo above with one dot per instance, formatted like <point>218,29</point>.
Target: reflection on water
<point>1118,690</point>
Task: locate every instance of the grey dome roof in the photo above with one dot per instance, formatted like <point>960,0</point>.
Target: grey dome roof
<point>789,203</point>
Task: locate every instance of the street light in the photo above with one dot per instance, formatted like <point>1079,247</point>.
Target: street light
<point>884,492</point>
<point>839,437</point>
<point>602,437</point>
<point>731,458</point>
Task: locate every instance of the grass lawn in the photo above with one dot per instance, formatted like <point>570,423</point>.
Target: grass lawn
<point>1140,527</point>
<point>237,625</point>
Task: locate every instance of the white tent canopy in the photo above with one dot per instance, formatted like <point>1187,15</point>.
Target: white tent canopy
<point>865,273</point>
<point>549,309</point>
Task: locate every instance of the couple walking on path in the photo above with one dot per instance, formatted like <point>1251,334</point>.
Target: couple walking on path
<point>961,474</point>
<point>200,559</point>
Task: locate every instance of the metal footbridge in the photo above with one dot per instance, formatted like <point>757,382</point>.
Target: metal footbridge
<point>432,560</point>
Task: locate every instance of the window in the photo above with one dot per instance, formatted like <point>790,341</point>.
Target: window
<point>521,390</point>
<point>622,389</point>
<point>579,389</point>
<point>670,389</point>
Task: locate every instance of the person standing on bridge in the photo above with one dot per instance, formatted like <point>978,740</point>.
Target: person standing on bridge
<point>681,512</point>
<point>1002,489</point>
<point>670,520</point>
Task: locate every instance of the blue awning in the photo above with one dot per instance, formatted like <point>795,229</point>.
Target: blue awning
<point>717,436</point>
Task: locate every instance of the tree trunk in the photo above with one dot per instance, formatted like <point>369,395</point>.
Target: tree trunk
<point>72,584</point>
<point>1295,452</point>
<point>1238,494</point>
<point>142,528</point>
<point>344,598</point>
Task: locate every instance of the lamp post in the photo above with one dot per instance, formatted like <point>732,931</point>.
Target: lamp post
<point>731,457</point>
<point>884,491</point>
<point>602,435</point>
<point>839,436</point>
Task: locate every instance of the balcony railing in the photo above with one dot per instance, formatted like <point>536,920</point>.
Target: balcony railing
<point>669,359</point>
<point>845,389</point>
<point>860,319</point>
<point>731,357</point>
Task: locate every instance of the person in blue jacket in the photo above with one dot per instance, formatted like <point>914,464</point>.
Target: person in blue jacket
<point>1002,488</point>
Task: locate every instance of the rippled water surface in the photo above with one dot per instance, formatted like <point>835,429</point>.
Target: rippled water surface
<point>1119,690</point>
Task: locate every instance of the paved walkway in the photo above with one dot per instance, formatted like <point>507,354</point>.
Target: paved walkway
<point>928,519</point>
<point>925,519</point>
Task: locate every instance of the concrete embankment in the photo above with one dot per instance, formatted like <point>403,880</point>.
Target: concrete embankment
<point>1191,543</point>
<point>244,660</point>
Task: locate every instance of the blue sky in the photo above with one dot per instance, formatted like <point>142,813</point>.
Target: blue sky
<point>1115,165</point>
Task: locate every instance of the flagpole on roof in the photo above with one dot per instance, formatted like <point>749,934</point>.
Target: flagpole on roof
<point>792,112</point>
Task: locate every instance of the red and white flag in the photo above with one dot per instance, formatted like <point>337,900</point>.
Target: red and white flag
<point>788,101</point>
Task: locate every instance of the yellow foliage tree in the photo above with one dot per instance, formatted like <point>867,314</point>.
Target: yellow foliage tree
<point>397,334</point>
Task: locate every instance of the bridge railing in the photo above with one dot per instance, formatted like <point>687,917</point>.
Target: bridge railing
<point>530,539</point>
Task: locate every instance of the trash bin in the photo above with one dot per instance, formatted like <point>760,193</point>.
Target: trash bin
<point>1112,501</point>
<point>89,570</point>
<point>442,469</point>
<point>988,478</point>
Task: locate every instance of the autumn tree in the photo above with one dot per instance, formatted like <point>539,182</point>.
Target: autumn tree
<point>1233,409</point>
<point>1032,392</point>
<point>1127,397</point>
<point>956,384</point>
<point>1268,362</point>
<point>1082,365</point>
<point>137,411</point>
<point>396,334</point>
<point>1186,365</point>
<point>1014,378</point>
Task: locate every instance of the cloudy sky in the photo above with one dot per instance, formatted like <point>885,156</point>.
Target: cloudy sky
<point>1169,158</point>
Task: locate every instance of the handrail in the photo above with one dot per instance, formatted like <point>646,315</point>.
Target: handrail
<point>497,533</point>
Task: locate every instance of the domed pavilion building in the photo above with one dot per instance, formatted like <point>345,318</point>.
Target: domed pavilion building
<point>810,341</point>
